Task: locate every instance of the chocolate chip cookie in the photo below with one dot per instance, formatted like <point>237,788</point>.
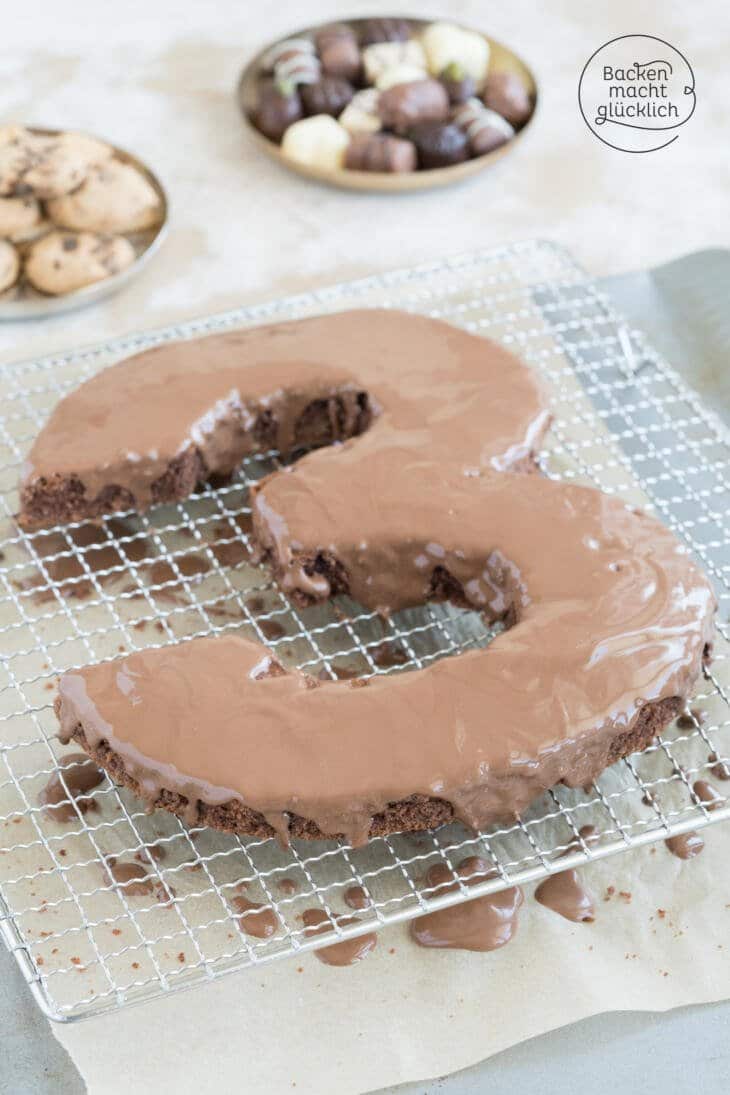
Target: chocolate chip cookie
<point>115,197</point>
<point>9,265</point>
<point>64,261</point>
<point>46,166</point>
<point>20,218</point>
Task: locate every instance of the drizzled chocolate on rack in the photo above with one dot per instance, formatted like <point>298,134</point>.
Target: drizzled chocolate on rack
<point>428,497</point>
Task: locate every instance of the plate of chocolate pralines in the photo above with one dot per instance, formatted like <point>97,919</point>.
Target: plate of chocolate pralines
<point>387,103</point>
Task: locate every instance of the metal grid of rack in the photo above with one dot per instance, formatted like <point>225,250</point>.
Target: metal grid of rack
<point>624,421</point>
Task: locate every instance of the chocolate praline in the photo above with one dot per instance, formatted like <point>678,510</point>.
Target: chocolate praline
<point>439,144</point>
<point>384,30</point>
<point>329,96</point>
<point>381,152</point>
<point>459,85</point>
<point>505,93</point>
<point>277,108</point>
<point>339,52</point>
<point>404,105</point>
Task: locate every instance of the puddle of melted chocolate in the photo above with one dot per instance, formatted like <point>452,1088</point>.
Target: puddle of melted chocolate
<point>484,924</point>
<point>134,881</point>
<point>688,720</point>
<point>341,672</point>
<point>131,877</point>
<point>287,886</point>
<point>720,768</point>
<point>347,951</point>
<point>227,548</point>
<point>160,572</point>
<point>81,775</point>
<point>271,629</point>
<point>708,795</point>
<point>356,898</point>
<point>564,892</point>
<point>686,845</point>
<point>68,574</point>
<point>254,918</point>
<point>387,655</point>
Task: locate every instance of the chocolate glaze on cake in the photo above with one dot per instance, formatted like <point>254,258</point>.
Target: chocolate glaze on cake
<point>149,428</point>
<point>608,619</point>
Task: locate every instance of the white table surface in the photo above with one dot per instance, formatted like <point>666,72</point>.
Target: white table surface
<point>157,76</point>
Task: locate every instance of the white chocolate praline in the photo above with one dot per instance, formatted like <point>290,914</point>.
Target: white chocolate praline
<point>400,74</point>
<point>446,44</point>
<point>378,58</point>
<point>318,141</point>
<point>361,113</point>
<point>473,116</point>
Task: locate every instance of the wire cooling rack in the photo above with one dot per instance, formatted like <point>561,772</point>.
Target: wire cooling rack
<point>74,595</point>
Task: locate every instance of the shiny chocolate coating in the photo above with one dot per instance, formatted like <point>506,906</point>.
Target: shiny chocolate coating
<point>381,152</point>
<point>439,144</point>
<point>605,615</point>
<point>339,52</point>
<point>277,108</point>
<point>459,85</point>
<point>484,128</point>
<point>507,95</point>
<point>403,105</point>
<point>385,30</point>
<point>329,96</point>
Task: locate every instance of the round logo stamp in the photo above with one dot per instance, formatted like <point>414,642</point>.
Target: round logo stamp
<point>635,92</point>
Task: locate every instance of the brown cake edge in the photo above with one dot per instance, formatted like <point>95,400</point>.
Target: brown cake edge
<point>61,499</point>
<point>412,814</point>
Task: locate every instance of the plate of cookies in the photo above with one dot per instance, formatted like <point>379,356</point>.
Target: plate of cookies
<point>387,103</point>
<point>78,218</point>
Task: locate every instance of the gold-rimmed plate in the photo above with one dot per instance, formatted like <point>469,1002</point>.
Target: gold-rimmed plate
<point>22,301</point>
<point>501,59</point>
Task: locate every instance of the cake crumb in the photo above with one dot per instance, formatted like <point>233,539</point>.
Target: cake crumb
<point>116,931</point>
<point>625,894</point>
<point>135,965</point>
<point>76,961</point>
<point>38,960</point>
<point>661,913</point>
<point>181,957</point>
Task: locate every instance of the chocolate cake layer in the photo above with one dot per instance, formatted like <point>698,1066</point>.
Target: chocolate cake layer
<point>608,620</point>
<point>411,814</point>
<point>147,429</point>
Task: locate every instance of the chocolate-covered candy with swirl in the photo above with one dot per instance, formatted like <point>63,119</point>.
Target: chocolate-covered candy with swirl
<point>384,30</point>
<point>294,60</point>
<point>405,105</point>
<point>484,128</point>
<point>339,52</point>
<point>277,108</point>
<point>505,93</point>
<point>330,95</point>
<point>439,144</point>
<point>381,152</point>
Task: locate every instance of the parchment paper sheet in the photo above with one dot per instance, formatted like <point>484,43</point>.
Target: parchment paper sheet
<point>414,1014</point>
